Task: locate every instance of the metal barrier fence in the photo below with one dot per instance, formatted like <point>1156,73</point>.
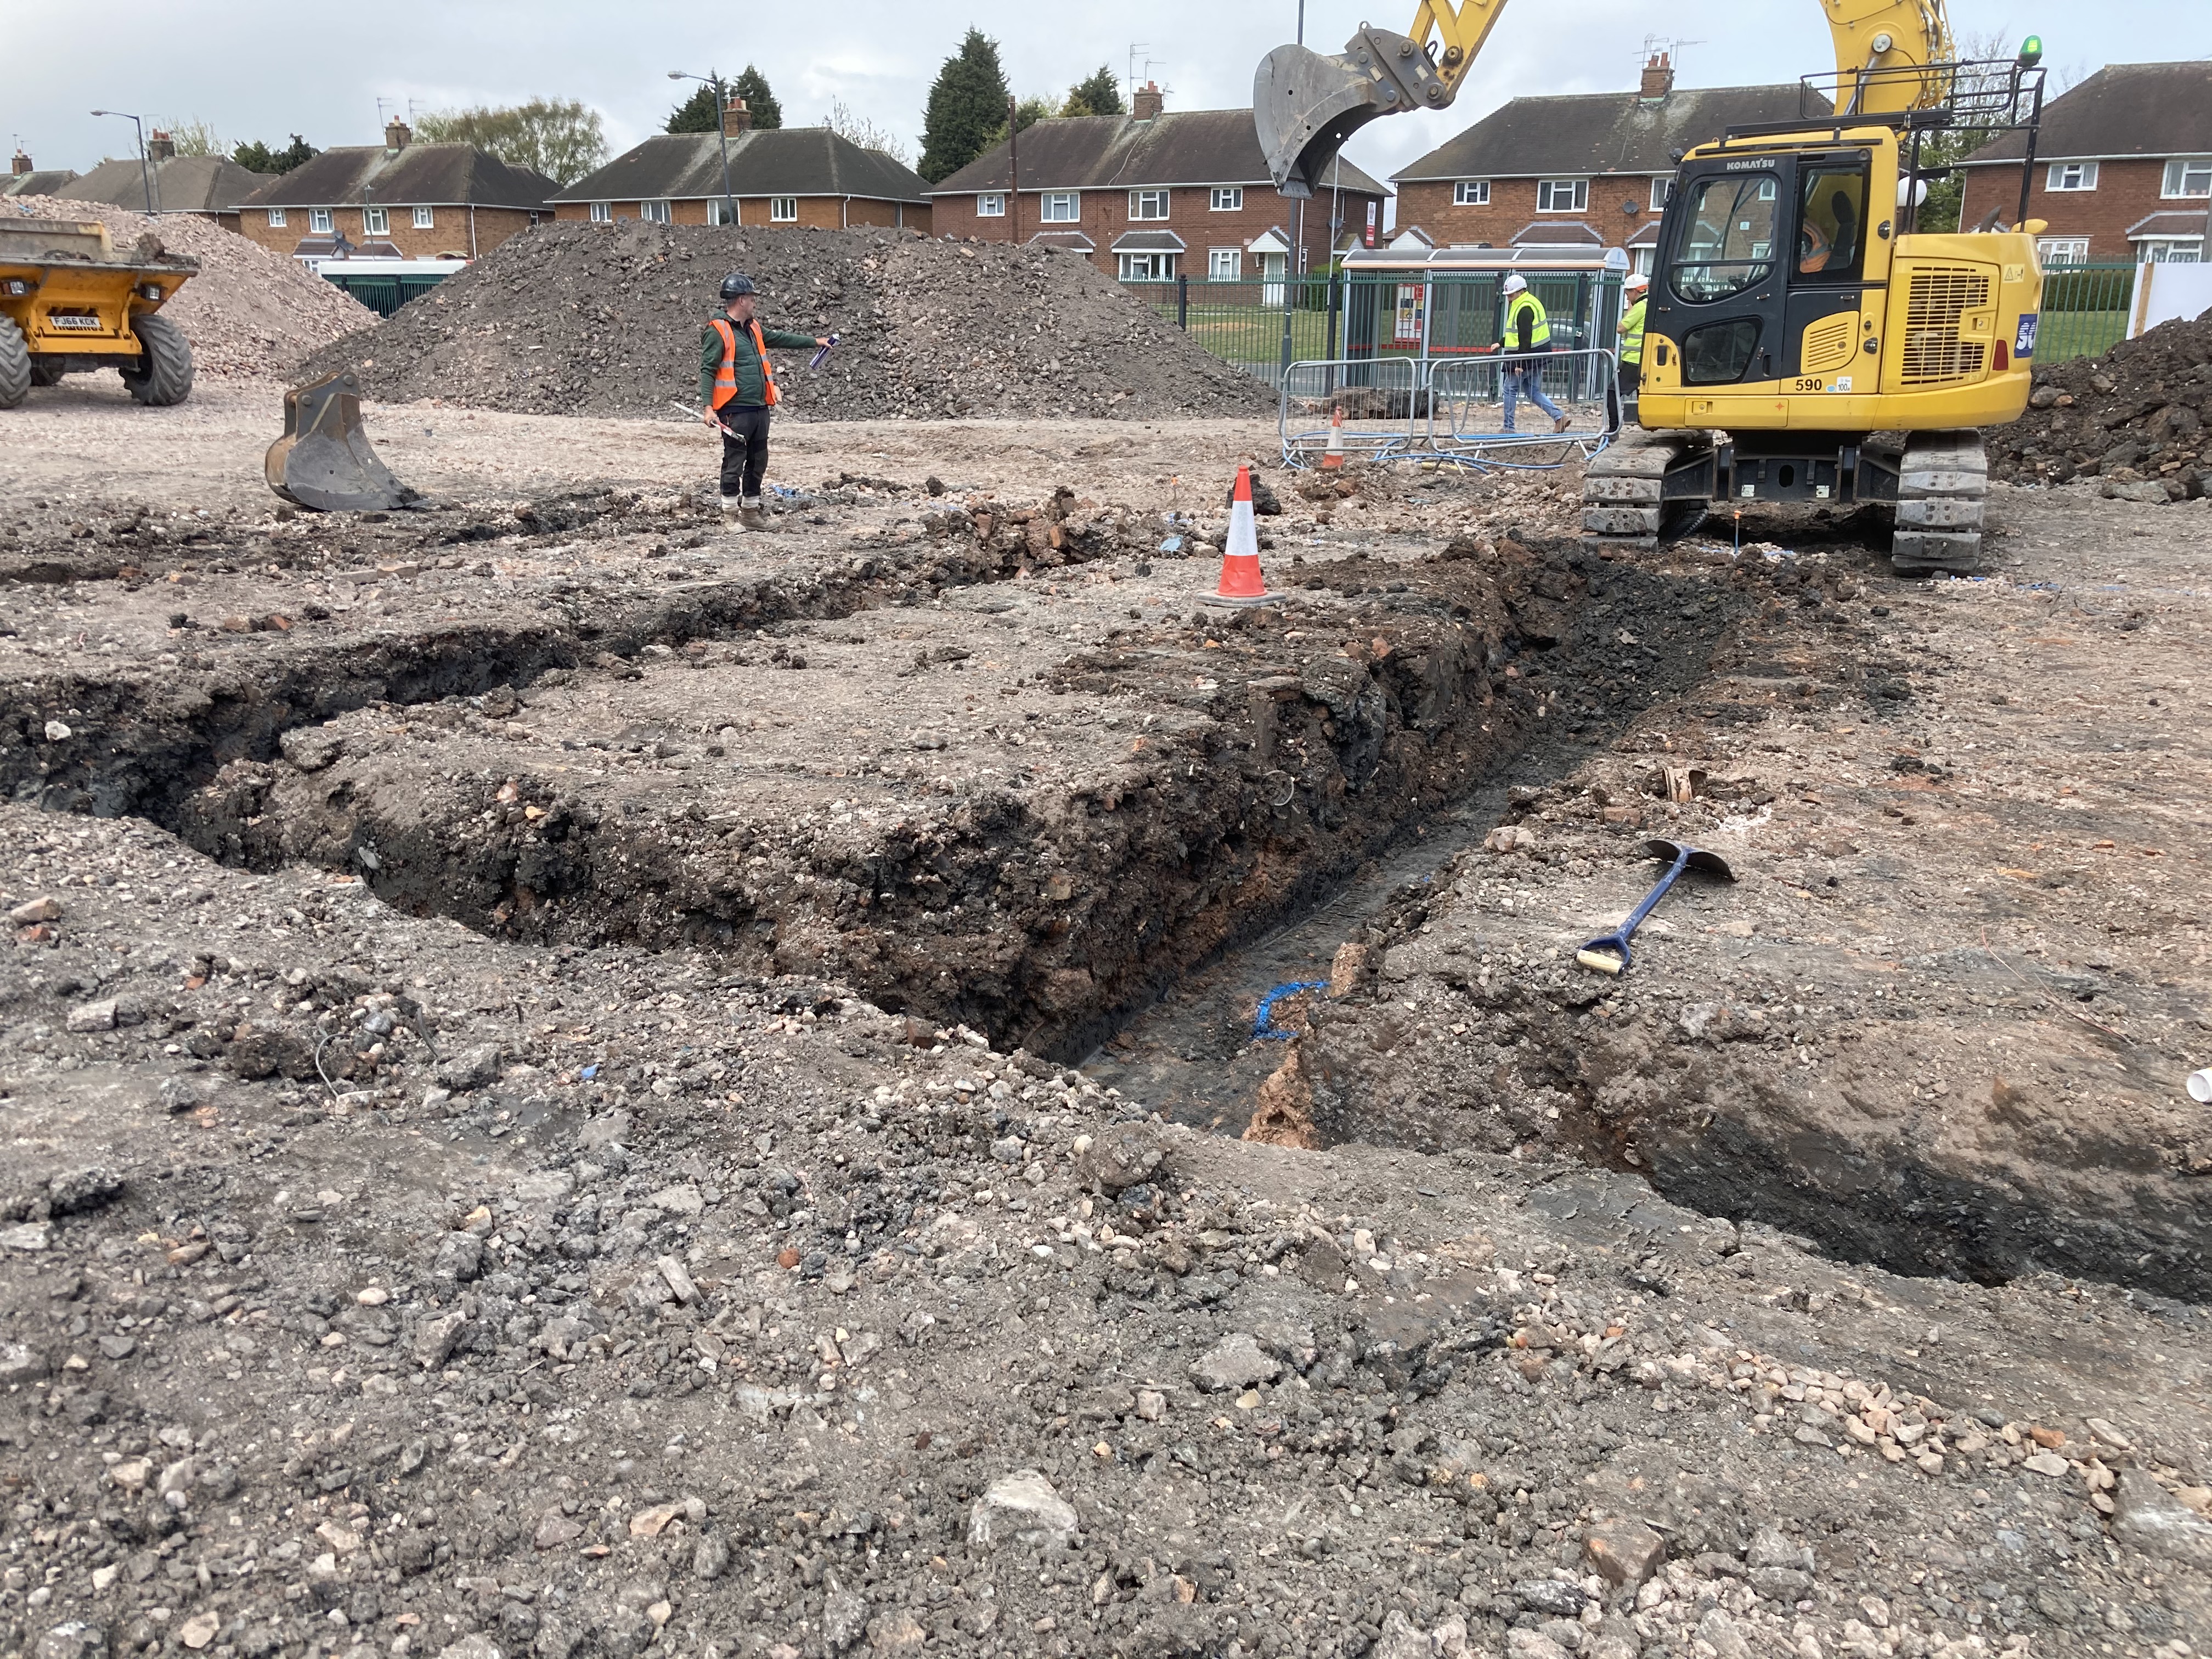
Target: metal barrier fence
<point>2086,308</point>
<point>1455,409</point>
<point>383,294</point>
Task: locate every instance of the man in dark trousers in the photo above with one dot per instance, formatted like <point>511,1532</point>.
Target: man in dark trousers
<point>737,382</point>
<point>1527,341</point>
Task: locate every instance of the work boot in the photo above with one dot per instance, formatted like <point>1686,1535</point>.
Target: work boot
<point>1563,423</point>
<point>732,514</point>
<point>755,515</point>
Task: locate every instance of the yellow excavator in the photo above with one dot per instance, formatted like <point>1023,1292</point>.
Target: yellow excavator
<point>1798,325</point>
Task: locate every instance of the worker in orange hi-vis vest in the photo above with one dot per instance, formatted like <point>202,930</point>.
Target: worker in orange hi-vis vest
<point>737,382</point>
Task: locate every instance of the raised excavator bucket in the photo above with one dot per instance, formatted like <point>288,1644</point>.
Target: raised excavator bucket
<point>1305,104</point>
<point>325,460</point>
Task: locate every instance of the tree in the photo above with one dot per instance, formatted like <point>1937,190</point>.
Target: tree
<point>1027,113</point>
<point>967,107</point>
<point>695,113</point>
<point>559,137</point>
<point>257,157</point>
<point>1097,94</point>
<point>864,132</point>
<point>752,86</point>
<point>196,138</point>
<point>1947,147</point>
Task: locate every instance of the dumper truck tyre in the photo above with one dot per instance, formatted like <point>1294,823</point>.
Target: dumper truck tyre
<point>165,374</point>
<point>15,365</point>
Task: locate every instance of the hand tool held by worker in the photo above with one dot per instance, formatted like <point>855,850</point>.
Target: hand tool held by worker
<point>706,415</point>
<point>1684,857</point>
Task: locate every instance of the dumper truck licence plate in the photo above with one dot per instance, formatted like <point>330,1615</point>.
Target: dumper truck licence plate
<point>63,319</point>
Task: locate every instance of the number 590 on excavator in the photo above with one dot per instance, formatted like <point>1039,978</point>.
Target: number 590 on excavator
<point>1795,311</point>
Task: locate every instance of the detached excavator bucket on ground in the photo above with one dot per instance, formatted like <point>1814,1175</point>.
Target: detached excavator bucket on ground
<point>324,461</point>
<point>1305,104</point>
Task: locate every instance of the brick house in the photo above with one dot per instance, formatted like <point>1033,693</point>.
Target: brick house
<point>208,187</point>
<point>399,200</point>
<point>24,179</point>
<point>778,176</point>
<point>1586,170</point>
<point>1152,195</point>
<point>2122,166</point>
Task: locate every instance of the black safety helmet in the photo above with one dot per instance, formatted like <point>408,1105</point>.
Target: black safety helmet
<point>736,286</point>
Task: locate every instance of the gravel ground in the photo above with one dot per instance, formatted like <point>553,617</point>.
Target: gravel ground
<point>600,319</point>
<point>582,1283</point>
<point>250,314</point>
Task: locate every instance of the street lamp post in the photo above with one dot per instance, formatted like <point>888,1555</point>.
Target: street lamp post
<point>145,173</point>
<point>714,79</point>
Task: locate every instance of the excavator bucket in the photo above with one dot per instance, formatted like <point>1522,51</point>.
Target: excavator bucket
<point>323,460</point>
<point>1305,104</point>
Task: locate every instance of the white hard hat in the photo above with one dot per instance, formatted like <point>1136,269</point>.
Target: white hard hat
<point>1637,279</point>
<point>1517,283</point>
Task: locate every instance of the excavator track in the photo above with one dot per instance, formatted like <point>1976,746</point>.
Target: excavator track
<point>1940,493</point>
<point>1623,501</point>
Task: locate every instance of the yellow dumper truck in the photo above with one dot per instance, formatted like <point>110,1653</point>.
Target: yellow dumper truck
<point>69,301</point>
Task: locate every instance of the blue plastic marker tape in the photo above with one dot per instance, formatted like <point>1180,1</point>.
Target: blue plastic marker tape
<point>1263,1026</point>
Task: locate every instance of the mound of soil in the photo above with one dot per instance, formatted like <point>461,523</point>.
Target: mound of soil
<point>2134,417</point>
<point>250,314</point>
<point>598,320</point>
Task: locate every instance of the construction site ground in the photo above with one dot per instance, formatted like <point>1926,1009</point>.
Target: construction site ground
<point>577,1082</point>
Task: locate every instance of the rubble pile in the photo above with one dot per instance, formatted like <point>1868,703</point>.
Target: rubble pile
<point>250,314</point>
<point>2134,417</point>
<point>605,319</point>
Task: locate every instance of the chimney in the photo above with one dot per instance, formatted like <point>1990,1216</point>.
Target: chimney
<point>1658,79</point>
<point>396,132</point>
<point>160,147</point>
<point>20,166</point>
<point>736,117</point>
<point>1147,104</point>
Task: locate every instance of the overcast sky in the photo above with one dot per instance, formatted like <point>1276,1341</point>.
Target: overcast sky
<point>264,68</point>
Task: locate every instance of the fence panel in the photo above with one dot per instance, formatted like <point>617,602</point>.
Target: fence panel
<point>1468,397</point>
<point>2085,310</point>
<point>1377,398</point>
<point>1240,320</point>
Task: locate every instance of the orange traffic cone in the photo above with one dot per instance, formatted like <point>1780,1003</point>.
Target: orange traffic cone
<point>1331,458</point>
<point>1241,581</point>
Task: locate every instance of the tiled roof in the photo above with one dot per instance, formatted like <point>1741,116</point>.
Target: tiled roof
<point>2123,110</point>
<point>182,183</point>
<point>1197,147</point>
<point>777,161</point>
<point>1600,132</point>
<point>48,181</point>
<point>2188,223</point>
<point>419,175</point>
<point>1150,242</point>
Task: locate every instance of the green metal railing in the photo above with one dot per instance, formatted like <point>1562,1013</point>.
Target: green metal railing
<point>1364,315</point>
<point>384,295</point>
<point>2086,309</point>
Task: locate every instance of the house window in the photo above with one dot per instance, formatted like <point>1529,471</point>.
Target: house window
<point>426,218</point>
<point>1228,198</point>
<point>1148,204</point>
<point>603,213</point>
<point>1147,267</point>
<point>2188,175</point>
<point>1225,265</point>
<point>275,218</point>
<point>319,221</point>
<point>1061,207</point>
<point>2072,175</point>
<point>1562,195</point>
<point>1471,192</point>
<point>723,211</point>
<point>1659,188</point>
<point>2063,250</point>
<point>991,205</point>
<point>783,209</point>
<point>2171,251</point>
<point>656,211</point>
<point>376,221</point>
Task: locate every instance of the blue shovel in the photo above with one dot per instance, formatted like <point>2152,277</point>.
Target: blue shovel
<point>1682,857</point>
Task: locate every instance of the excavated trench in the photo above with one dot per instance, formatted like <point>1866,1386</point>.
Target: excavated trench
<point>1221,802</point>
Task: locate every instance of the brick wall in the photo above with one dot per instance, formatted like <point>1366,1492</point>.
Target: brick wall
<point>2126,192</point>
<point>822,212</point>
<point>449,232</point>
<point>1513,208</point>
<point>1105,219</point>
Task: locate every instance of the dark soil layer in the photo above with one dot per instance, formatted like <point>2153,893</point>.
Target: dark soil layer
<point>598,319</point>
<point>2134,416</point>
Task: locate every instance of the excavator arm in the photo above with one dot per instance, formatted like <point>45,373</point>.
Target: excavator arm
<point>1306,106</point>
